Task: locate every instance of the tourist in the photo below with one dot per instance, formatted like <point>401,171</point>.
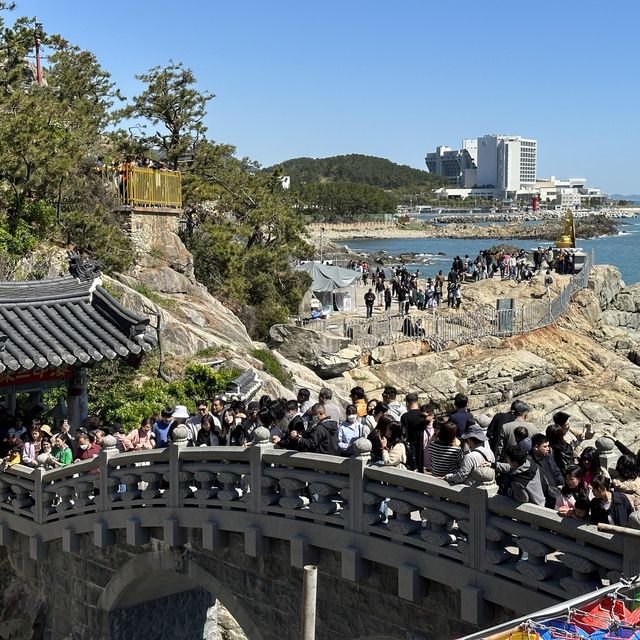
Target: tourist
<point>394,451</point>
<point>395,408</point>
<point>380,290</point>
<point>522,438</point>
<point>250,423</point>
<point>194,423</point>
<point>227,423</point>
<point>87,449</point>
<point>375,437</point>
<point>45,459</point>
<point>349,431</point>
<point>478,454</point>
<point>572,490</point>
<point>506,435</point>
<point>359,399</point>
<point>122,441</point>
<point>461,417</point>
<point>589,462</point>
<point>413,425</point>
<point>304,402</point>
<point>445,454</point>
<point>161,428</point>
<point>32,446</point>
<point>10,443</point>
<point>429,433</point>
<point>627,481</point>
<point>62,451</point>
<point>550,474</point>
<point>525,483</point>
<point>179,418</point>
<point>142,438</point>
<point>609,506</point>
<point>217,406</point>
<point>322,435</point>
<point>387,298</point>
<point>332,411</point>
<point>369,301</point>
<point>206,436</point>
<point>497,422</point>
<point>374,414</point>
<point>548,281</point>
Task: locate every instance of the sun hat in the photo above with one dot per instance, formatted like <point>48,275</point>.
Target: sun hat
<point>180,411</point>
<point>474,432</point>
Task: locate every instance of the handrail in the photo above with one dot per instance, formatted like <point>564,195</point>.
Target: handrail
<point>472,528</point>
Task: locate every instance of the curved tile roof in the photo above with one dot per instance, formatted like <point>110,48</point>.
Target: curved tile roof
<point>67,320</point>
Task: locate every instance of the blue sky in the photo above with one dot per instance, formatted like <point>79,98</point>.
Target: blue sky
<point>391,79</point>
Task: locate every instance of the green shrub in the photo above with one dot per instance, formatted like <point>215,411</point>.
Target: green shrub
<point>119,399</point>
<point>273,367</point>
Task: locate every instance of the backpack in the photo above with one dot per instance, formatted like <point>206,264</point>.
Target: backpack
<point>411,463</point>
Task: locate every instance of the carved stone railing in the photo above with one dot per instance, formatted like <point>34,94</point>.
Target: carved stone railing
<point>469,538</point>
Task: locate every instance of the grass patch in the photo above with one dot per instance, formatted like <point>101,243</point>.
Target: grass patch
<point>165,303</point>
<point>209,352</point>
<point>113,291</point>
<point>273,367</point>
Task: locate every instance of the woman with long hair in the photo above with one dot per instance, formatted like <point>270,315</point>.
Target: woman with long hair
<point>394,451</point>
<point>589,462</point>
<point>445,453</point>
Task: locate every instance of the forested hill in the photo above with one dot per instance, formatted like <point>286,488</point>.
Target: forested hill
<point>355,167</point>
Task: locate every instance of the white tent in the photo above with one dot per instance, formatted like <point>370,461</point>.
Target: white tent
<point>333,286</point>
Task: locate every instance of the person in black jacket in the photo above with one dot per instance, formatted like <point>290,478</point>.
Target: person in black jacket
<point>322,435</point>
<point>550,474</point>
<point>495,426</point>
<point>414,424</point>
<point>608,506</point>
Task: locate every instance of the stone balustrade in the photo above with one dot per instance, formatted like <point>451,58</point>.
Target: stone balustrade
<point>469,538</point>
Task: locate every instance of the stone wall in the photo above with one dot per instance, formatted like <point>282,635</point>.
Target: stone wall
<point>98,593</point>
<point>146,228</point>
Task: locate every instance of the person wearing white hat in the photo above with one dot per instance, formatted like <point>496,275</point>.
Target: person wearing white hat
<point>179,416</point>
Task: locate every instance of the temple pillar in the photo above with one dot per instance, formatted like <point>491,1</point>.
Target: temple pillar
<point>77,398</point>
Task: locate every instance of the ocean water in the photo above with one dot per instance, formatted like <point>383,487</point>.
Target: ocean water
<point>622,251</point>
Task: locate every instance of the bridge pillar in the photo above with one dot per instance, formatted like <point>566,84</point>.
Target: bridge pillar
<point>411,586</point>
<point>473,606</point>
<point>213,537</point>
<point>302,553</point>
<point>354,567</point>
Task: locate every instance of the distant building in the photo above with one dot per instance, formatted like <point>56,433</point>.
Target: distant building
<point>458,166</point>
<point>506,163</point>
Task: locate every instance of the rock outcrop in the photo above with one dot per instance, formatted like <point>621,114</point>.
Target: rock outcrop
<point>570,366</point>
<point>325,354</point>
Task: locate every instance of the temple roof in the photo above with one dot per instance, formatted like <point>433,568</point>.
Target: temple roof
<point>66,320</point>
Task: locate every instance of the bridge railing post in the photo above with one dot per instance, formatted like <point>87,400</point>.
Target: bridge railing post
<point>357,464</point>
<point>174,472</point>
<point>104,498</point>
<point>38,515</point>
<point>261,443</point>
<point>478,519</point>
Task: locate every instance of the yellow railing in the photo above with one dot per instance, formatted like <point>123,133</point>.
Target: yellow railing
<point>145,187</point>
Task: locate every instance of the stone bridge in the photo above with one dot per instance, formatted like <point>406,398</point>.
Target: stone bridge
<point>140,545</point>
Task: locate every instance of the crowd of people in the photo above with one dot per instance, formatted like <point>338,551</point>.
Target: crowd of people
<point>551,467</point>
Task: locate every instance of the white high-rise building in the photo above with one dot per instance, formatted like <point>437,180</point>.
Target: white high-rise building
<point>507,163</point>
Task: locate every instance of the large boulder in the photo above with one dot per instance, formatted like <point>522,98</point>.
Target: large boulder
<point>606,282</point>
<point>325,354</point>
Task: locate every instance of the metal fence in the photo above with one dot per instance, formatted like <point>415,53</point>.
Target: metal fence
<point>441,330</point>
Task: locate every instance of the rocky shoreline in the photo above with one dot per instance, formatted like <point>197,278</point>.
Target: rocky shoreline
<point>548,230</point>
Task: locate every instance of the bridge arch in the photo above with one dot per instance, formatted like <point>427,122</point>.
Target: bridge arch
<point>167,572</point>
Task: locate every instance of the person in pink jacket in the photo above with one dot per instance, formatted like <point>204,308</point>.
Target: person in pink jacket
<point>142,437</point>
